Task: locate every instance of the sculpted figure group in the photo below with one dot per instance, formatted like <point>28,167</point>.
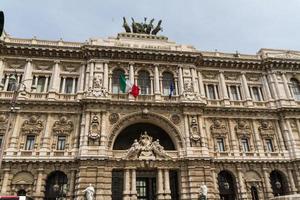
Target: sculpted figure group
<point>143,27</point>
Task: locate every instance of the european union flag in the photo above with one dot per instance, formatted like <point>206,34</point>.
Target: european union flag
<point>171,90</point>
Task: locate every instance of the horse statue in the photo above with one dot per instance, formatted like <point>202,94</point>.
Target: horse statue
<point>157,28</point>
<point>125,25</point>
<point>149,27</point>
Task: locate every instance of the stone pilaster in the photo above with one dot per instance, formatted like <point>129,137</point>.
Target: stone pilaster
<point>180,81</point>
<point>133,185</point>
<point>224,89</point>
<point>38,190</point>
<point>292,187</point>
<point>160,185</point>
<point>28,74</point>
<point>246,90</point>
<point>55,78</point>
<point>1,69</point>
<point>5,181</point>
<point>105,76</point>
<point>126,187</point>
<point>242,189</point>
<point>201,85</point>
<point>267,185</point>
<point>167,184</point>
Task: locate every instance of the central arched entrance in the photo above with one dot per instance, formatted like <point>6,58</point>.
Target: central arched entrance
<point>144,182</point>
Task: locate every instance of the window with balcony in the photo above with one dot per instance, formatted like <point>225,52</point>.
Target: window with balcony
<point>144,82</point>
<point>220,144</point>
<point>30,142</point>
<point>295,88</point>
<point>256,93</point>
<point>68,85</point>
<point>116,81</point>
<point>234,92</point>
<point>61,142</point>
<point>269,145</point>
<point>168,83</point>
<point>245,145</point>
<point>211,91</point>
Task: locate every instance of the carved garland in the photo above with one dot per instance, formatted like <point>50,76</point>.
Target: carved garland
<point>266,129</point>
<point>242,129</point>
<point>217,129</point>
<point>62,126</point>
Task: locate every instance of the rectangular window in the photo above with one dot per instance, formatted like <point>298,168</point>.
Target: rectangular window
<point>234,92</point>
<point>211,91</point>
<point>269,145</point>
<point>256,93</point>
<point>61,142</point>
<point>245,145</point>
<point>68,85</point>
<point>29,142</point>
<point>220,144</point>
<point>41,84</point>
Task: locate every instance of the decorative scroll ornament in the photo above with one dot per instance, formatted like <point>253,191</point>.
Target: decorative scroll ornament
<point>266,129</point>
<point>146,149</point>
<point>189,93</point>
<point>62,126</point>
<point>242,129</point>
<point>218,129</point>
<point>3,124</point>
<point>94,132</point>
<point>32,126</point>
<point>98,90</point>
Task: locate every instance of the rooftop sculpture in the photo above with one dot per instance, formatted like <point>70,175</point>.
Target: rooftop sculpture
<point>143,27</point>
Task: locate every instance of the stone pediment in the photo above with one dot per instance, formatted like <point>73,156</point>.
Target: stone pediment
<point>146,149</point>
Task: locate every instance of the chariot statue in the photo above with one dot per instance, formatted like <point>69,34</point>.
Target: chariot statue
<point>142,27</point>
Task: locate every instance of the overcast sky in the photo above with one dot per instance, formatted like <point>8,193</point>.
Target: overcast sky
<point>225,25</point>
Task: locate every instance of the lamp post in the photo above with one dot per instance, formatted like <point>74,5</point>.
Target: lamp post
<point>60,191</point>
<point>17,88</point>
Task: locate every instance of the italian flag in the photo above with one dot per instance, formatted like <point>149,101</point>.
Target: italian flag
<point>127,87</point>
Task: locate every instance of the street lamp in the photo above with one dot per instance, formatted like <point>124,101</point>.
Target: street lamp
<point>60,191</point>
<point>17,88</point>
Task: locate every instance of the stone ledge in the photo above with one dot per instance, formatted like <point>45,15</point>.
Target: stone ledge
<point>287,197</point>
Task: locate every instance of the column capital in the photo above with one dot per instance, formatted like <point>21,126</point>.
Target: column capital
<point>243,72</point>
<point>221,71</point>
<point>28,59</point>
<point>57,61</point>
<point>131,63</point>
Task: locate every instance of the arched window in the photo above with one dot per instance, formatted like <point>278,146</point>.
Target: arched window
<point>279,183</point>
<point>116,81</point>
<point>227,186</point>
<point>168,83</point>
<point>56,186</point>
<point>295,87</point>
<point>144,82</point>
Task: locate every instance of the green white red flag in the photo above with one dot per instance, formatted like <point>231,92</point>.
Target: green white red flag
<point>127,87</point>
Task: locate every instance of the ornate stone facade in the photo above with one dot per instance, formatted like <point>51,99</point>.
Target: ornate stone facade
<point>232,121</point>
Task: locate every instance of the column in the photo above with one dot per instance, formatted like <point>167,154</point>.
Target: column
<point>279,94</point>
<point>133,185</point>
<point>55,80</point>
<point>242,183</point>
<point>268,187</point>
<point>91,75</point>
<point>36,78</point>
<point>291,181</point>
<point>63,85</point>
<point>258,141</point>
<point>46,84</point>
<point>195,83</point>
<point>105,76</point>
<point>156,80</point>
<point>167,184</point>
<point>180,81</point>
<point>12,146</point>
<point>160,189</point>
<point>28,74</point>
<point>1,68</point>
<point>38,189</point>
<point>223,85</point>
<point>131,73</point>
<point>5,181</point>
<point>267,88</point>
<point>6,82</point>
<point>73,85</point>
<point>81,78</point>
<point>187,131</point>
<point>245,87</point>
<point>279,134</point>
<point>296,169</point>
<point>286,86</point>
<point>201,85</point>
<point>126,190</point>
<point>72,184</point>
<point>292,141</point>
<point>215,183</point>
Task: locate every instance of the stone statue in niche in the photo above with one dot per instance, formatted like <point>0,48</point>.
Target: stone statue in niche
<point>97,90</point>
<point>189,93</point>
<point>89,192</point>
<point>203,191</point>
<point>94,133</point>
<point>146,149</point>
<point>194,132</point>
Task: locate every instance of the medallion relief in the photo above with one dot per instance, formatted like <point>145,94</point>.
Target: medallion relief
<point>113,118</point>
<point>175,119</point>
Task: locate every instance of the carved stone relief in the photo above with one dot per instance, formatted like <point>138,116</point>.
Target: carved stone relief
<point>32,126</point>
<point>146,149</point>
<point>231,76</point>
<point>266,129</point>
<point>209,75</point>
<point>63,126</point>
<point>3,123</point>
<point>97,90</point>
<point>218,129</point>
<point>175,119</point>
<point>253,77</point>
<point>113,118</point>
<point>194,132</point>
<point>242,129</point>
<point>23,181</point>
<point>95,130</point>
<point>189,93</point>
